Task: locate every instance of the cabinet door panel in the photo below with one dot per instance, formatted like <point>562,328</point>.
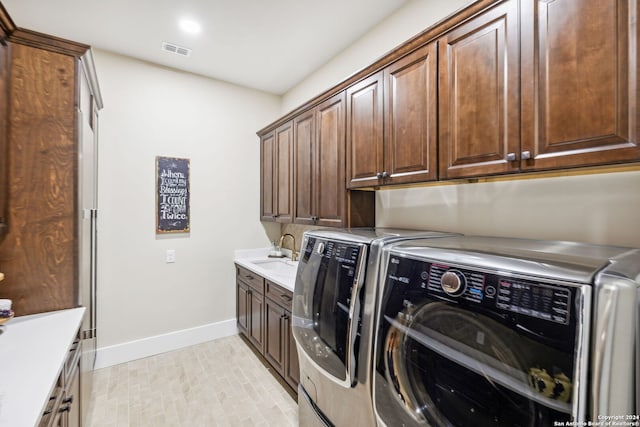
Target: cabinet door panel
<point>365,132</point>
<point>242,295</point>
<point>284,173</point>
<point>411,117</point>
<point>267,202</point>
<point>304,143</point>
<point>274,344</point>
<point>578,103</point>
<point>479,102</point>
<point>255,320</point>
<point>330,162</point>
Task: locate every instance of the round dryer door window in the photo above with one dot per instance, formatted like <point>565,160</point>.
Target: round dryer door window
<point>447,366</point>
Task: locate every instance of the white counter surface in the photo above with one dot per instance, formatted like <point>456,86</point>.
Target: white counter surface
<point>258,261</point>
<point>32,352</point>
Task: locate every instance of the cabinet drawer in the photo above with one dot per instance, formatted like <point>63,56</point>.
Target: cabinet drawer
<point>250,278</point>
<point>279,294</point>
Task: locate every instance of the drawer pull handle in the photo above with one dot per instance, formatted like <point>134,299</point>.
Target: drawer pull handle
<point>285,296</point>
<point>250,277</point>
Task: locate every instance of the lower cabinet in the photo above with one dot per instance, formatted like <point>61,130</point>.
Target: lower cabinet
<point>63,408</point>
<point>264,318</point>
<point>249,306</point>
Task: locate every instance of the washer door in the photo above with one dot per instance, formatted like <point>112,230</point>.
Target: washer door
<point>446,366</point>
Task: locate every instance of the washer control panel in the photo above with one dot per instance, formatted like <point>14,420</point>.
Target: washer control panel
<point>497,292</point>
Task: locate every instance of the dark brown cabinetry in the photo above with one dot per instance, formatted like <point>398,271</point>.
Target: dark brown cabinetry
<point>500,87</point>
<point>579,83</point>
<point>249,306</point>
<point>479,87</point>
<point>321,195</point>
<point>63,407</point>
<point>280,349</point>
<point>411,118</point>
<point>392,123</point>
<point>365,126</point>
<point>267,161</point>
<point>263,311</point>
<point>277,174</point>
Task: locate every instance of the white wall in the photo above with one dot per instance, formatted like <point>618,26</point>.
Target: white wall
<point>150,111</point>
<point>600,208</point>
<point>411,19</point>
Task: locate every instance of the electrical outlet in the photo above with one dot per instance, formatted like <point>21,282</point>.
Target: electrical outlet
<point>170,256</point>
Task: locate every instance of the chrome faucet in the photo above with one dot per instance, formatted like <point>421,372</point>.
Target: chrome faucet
<point>294,253</point>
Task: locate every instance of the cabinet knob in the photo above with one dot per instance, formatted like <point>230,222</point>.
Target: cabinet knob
<point>511,157</point>
<point>385,174</point>
<point>525,155</point>
<point>379,175</point>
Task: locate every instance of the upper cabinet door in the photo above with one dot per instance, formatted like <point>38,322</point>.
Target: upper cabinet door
<point>267,162</point>
<point>365,132</point>
<point>284,173</point>
<point>330,163</point>
<point>411,128</point>
<point>304,147</point>
<point>479,102</point>
<point>579,86</point>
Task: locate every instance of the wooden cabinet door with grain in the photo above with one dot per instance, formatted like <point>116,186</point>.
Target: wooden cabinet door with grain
<point>579,83</point>
<point>411,128</point>
<point>479,119</point>
<point>284,173</point>
<point>267,162</point>
<point>329,181</point>
<point>304,170</point>
<point>274,350</point>
<point>365,124</point>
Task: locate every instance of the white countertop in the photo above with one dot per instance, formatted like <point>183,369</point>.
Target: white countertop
<point>32,352</point>
<point>281,271</point>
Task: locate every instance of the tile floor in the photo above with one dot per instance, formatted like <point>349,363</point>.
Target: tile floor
<point>218,383</point>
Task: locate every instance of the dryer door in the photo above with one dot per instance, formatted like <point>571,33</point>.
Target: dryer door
<point>447,362</point>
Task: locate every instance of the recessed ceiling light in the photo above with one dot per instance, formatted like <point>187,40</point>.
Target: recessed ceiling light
<point>189,26</point>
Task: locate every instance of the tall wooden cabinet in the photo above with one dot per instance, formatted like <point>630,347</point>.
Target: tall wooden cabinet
<point>48,155</point>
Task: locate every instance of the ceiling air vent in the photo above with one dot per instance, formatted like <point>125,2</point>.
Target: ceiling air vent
<point>174,48</point>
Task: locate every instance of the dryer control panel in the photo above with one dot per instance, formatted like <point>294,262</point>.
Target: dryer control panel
<point>496,292</point>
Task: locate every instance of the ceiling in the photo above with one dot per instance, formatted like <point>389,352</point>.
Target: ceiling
<point>269,45</point>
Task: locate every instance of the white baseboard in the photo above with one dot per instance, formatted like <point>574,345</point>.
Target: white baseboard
<point>132,350</point>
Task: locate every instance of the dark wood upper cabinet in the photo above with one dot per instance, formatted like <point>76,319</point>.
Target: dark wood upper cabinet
<point>276,182</point>
<point>479,95</point>
<point>365,125</point>
<point>304,169</point>
<point>411,127</point>
<point>331,192</point>
<point>579,83</point>
<point>283,174</point>
<point>319,140</point>
<point>267,162</point>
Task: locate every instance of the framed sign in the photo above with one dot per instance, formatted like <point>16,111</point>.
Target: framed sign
<point>172,195</point>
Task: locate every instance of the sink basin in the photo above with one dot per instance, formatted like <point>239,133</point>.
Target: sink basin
<point>280,267</point>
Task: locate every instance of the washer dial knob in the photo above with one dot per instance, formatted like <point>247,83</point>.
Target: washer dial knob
<point>453,282</point>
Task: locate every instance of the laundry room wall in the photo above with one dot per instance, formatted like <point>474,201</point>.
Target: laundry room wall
<point>144,303</point>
